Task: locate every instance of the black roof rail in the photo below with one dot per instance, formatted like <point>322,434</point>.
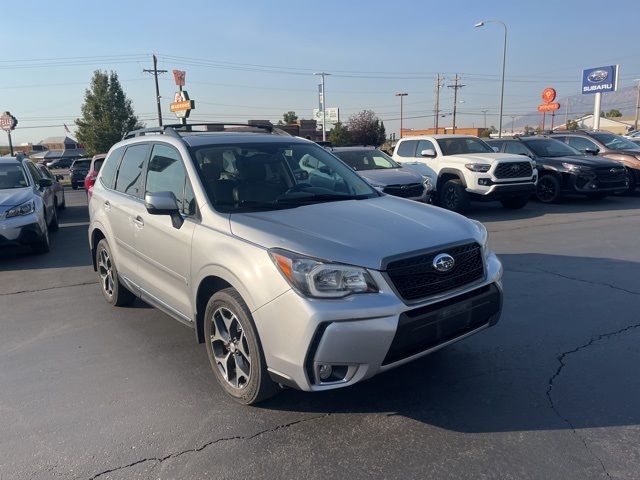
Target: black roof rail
<point>176,128</point>
<point>165,129</point>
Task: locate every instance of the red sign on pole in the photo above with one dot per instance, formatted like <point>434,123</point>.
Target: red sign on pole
<point>548,95</point>
<point>179,77</point>
<point>8,122</point>
<point>548,107</point>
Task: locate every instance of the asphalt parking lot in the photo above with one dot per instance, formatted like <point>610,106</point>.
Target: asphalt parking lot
<point>552,392</point>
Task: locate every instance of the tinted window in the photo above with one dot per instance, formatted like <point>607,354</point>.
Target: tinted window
<point>424,145</point>
<point>407,148</point>
<point>463,145</point>
<point>581,143</point>
<point>129,175</point>
<point>516,148</point>
<point>497,144</point>
<point>81,164</point>
<point>97,165</point>
<point>107,173</point>
<point>35,173</point>
<point>615,142</point>
<point>166,173</point>
<point>12,176</point>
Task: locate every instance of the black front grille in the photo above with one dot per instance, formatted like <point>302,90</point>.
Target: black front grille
<point>513,170</point>
<point>611,175</point>
<point>428,327</point>
<point>405,191</point>
<point>415,277</point>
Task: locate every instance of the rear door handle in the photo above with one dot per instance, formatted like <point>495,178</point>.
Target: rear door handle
<point>139,221</point>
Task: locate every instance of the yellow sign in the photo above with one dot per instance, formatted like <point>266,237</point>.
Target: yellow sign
<point>179,106</point>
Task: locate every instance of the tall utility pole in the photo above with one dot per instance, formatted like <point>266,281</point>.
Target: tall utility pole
<point>401,95</point>
<point>324,106</point>
<point>566,113</point>
<point>155,72</point>
<point>635,126</point>
<point>455,87</point>
<point>437,109</point>
<point>485,117</point>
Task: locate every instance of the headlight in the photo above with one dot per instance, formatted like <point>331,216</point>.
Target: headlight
<point>577,168</point>
<point>24,209</point>
<point>484,237</point>
<point>478,167</point>
<point>428,184</point>
<point>315,278</point>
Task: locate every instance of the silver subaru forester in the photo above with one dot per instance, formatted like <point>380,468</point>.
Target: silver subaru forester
<point>290,267</point>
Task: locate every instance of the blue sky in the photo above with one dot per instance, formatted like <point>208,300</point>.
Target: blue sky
<point>255,59</point>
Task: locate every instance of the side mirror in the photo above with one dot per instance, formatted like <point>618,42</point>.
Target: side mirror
<point>429,152</point>
<point>164,203</point>
<point>591,151</point>
<point>45,182</point>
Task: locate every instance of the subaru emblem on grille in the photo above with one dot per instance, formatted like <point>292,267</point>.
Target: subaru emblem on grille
<point>443,262</point>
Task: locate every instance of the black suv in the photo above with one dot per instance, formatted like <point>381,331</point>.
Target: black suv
<point>563,169</point>
<point>78,172</point>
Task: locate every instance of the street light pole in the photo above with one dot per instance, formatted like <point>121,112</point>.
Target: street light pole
<point>401,95</point>
<point>485,117</point>
<point>637,104</point>
<point>504,61</point>
<point>324,107</point>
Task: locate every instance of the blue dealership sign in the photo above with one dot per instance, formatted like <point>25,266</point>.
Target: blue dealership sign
<point>600,79</point>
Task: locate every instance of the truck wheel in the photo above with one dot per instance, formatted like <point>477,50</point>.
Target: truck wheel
<point>515,203</point>
<point>548,189</point>
<point>454,197</point>
<point>234,349</point>
<point>113,290</point>
<point>74,186</point>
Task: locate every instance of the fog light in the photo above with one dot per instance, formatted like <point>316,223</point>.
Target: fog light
<point>484,181</point>
<point>325,372</point>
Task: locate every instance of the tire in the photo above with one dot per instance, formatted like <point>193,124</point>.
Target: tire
<point>632,182</point>
<point>231,337</point>
<point>453,196</point>
<point>63,205</point>
<point>515,203</point>
<point>548,189</point>
<point>54,226</point>
<point>112,288</point>
<point>597,196</point>
<point>43,245</point>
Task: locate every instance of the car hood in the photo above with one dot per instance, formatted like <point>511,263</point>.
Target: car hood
<point>491,157</point>
<point>356,232</point>
<point>390,176</point>
<point>584,160</point>
<point>11,197</point>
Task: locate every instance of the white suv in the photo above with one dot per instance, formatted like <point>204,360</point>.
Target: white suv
<point>464,168</point>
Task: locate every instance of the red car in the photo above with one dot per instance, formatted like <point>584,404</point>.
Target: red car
<point>90,179</point>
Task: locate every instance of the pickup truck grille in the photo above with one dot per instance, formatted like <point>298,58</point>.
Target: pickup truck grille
<point>405,191</point>
<point>513,170</point>
<point>415,278</point>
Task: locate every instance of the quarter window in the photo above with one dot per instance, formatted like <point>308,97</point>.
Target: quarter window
<point>130,172</point>
<point>110,166</point>
<point>407,148</point>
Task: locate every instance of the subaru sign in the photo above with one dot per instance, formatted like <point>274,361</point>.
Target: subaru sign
<point>600,79</point>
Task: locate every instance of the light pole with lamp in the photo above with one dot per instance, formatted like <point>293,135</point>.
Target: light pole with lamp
<point>324,107</point>
<point>504,60</point>
<point>401,95</point>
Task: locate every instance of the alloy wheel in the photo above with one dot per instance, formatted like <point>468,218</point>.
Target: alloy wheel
<point>230,348</point>
<point>546,190</point>
<point>105,270</point>
<point>450,197</point>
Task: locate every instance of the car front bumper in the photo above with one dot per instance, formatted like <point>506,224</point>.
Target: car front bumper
<point>362,335</point>
<point>21,230</point>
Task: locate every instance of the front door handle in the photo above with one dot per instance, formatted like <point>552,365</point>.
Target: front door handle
<point>139,221</point>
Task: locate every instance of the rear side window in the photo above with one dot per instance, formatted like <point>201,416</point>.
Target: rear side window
<point>129,178</point>
<point>407,148</point>
<point>81,164</point>
<point>35,173</point>
<point>107,174</point>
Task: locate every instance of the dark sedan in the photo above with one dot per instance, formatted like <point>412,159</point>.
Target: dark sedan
<point>383,173</point>
<point>564,170</point>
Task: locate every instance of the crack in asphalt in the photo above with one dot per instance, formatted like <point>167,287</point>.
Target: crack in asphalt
<point>562,364</point>
<point>575,279</point>
<point>208,444</point>
<point>49,288</point>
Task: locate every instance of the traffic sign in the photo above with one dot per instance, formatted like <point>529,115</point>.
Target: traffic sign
<point>8,122</point>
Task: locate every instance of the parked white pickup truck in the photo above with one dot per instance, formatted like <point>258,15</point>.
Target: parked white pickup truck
<point>465,168</point>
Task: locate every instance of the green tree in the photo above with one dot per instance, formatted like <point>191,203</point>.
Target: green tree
<point>339,135</point>
<point>290,117</point>
<point>485,133</point>
<point>107,114</point>
<point>572,125</point>
<point>365,129</point>
<point>382,133</point>
<point>613,113</point>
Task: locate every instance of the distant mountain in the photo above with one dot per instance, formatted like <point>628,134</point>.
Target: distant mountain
<point>624,100</point>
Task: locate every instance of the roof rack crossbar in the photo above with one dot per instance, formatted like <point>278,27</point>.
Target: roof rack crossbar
<point>165,129</point>
<point>173,129</point>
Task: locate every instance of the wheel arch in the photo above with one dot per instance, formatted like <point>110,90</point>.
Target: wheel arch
<point>96,235</point>
<point>447,174</point>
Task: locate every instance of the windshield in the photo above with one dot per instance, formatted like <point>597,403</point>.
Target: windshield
<point>615,142</point>
<point>12,176</point>
<point>546,147</point>
<point>463,145</point>
<point>366,159</point>
<point>252,177</point>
